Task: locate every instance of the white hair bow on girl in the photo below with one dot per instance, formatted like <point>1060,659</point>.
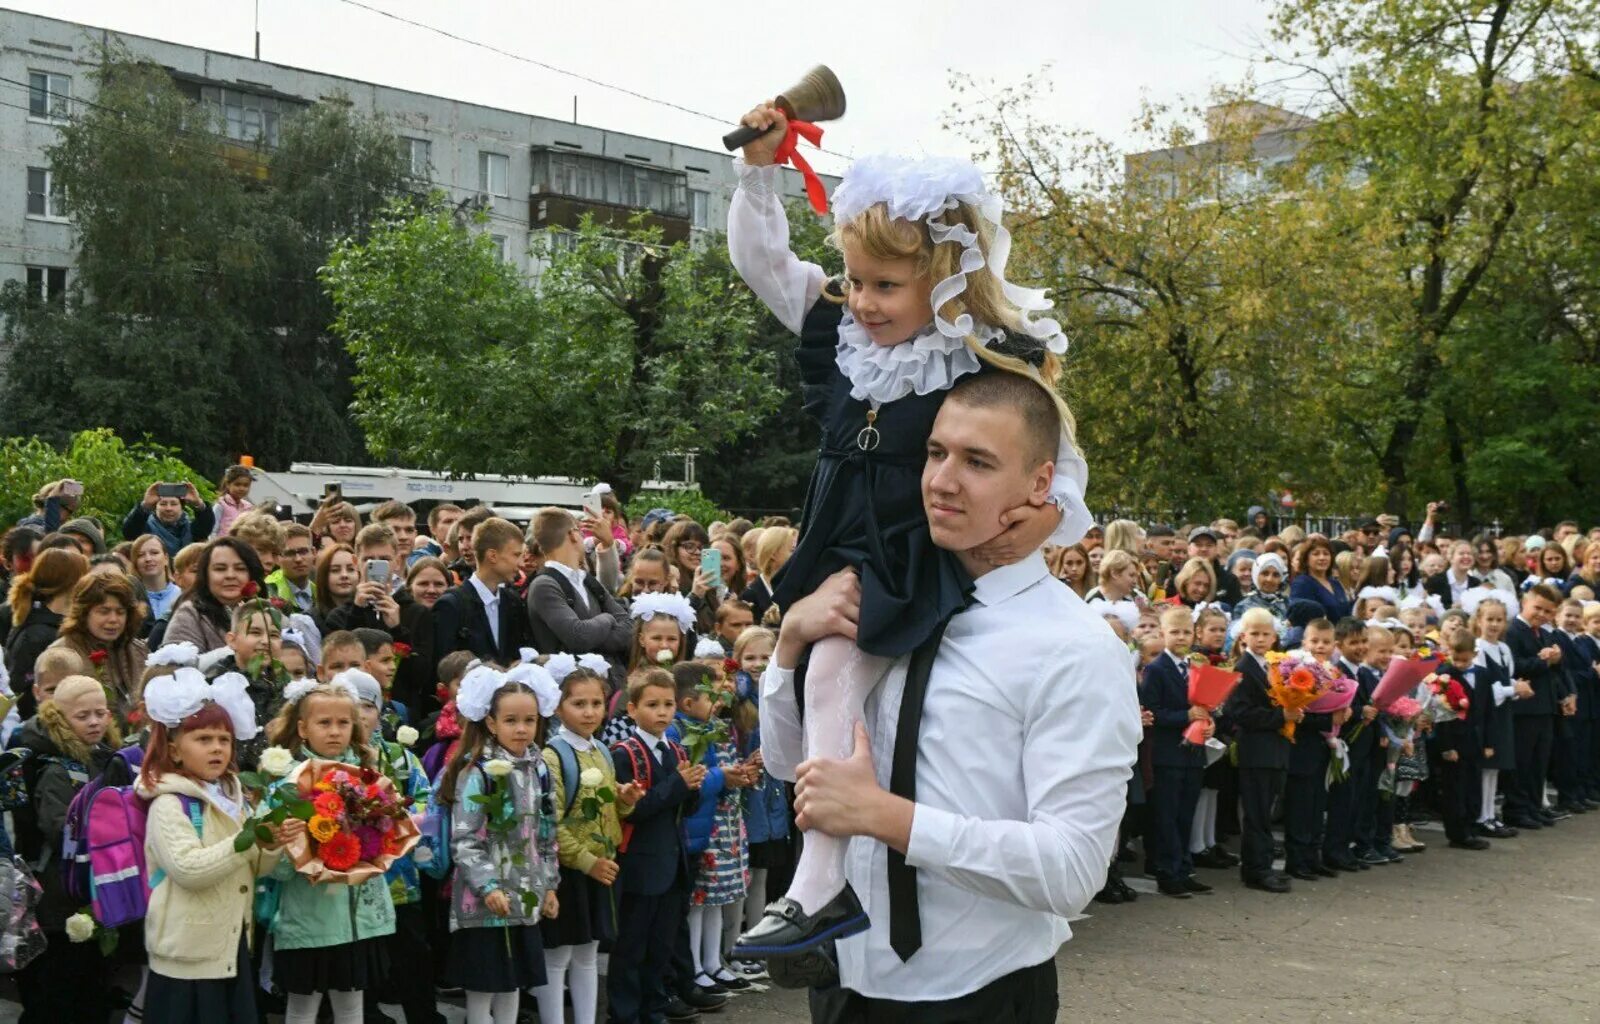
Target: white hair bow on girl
<point>297,690</point>
<point>1472,600</point>
<point>1201,608</point>
<point>1126,611</point>
<point>1534,581</point>
<point>1388,595</point>
<point>673,606</point>
<point>171,699</point>
<point>476,692</point>
<point>1419,598</point>
<point>545,690</point>
<point>560,666</point>
<point>182,654</point>
<point>708,647</point>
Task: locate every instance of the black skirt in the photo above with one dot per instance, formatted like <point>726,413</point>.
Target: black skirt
<point>587,912</point>
<point>497,959</point>
<point>349,967</point>
<point>207,1001</point>
<point>772,855</point>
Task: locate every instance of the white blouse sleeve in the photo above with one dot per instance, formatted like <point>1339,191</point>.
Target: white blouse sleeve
<point>1067,494</point>
<point>758,243</point>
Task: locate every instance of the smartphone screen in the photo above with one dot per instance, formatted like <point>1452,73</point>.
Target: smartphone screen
<point>711,565</point>
<point>171,490</point>
<point>332,492</point>
<point>592,506</point>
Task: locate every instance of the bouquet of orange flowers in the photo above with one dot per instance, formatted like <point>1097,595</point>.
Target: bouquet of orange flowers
<point>1295,682</point>
<point>358,825</point>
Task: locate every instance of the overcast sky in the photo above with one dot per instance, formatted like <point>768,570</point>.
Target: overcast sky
<point>717,56</point>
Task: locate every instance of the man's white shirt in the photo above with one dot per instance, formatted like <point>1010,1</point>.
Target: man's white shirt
<point>1030,732</point>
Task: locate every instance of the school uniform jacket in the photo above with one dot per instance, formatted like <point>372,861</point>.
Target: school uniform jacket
<point>461,624</point>
<point>1549,682</point>
<point>1588,652</point>
<point>1578,667</point>
<point>1164,689</point>
<point>654,862</point>
<point>1258,720</point>
<point>1458,734</point>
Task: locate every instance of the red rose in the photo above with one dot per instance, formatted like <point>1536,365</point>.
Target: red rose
<point>249,589</point>
<point>730,665</point>
<point>401,649</point>
<point>136,717</point>
<point>277,602</point>
<point>342,852</point>
<point>98,657</point>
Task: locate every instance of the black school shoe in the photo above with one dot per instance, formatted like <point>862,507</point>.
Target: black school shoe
<point>787,930</point>
<point>1469,843</point>
<point>680,1012</point>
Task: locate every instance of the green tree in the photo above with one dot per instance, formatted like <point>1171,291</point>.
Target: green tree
<point>196,317</point>
<point>1446,123</point>
<point>626,351</point>
<point>114,475</point>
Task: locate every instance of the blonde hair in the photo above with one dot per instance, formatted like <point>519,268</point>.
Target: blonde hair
<point>773,539</point>
<point>1115,560</point>
<point>1192,568</point>
<point>1122,535</point>
<point>885,238</point>
<point>1257,616</point>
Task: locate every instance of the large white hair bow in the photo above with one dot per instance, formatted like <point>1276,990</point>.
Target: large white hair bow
<point>477,690</point>
<point>708,647</point>
<point>1419,598</point>
<point>674,606</point>
<point>545,689</point>
<point>170,699</point>
<point>1472,600</point>
<point>1388,595</point>
<point>297,690</point>
<point>182,654</point>
<point>560,666</point>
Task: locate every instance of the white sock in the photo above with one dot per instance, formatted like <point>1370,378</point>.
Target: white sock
<point>302,1007</point>
<point>556,959</point>
<point>838,679</point>
<point>1491,782</point>
<point>697,929</point>
<point>346,1007</point>
<point>492,1007</point>
<point>756,901</point>
<point>710,958</point>
<point>1203,834</point>
<point>584,980</point>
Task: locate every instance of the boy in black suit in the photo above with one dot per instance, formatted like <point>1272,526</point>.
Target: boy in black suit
<point>1574,736</point>
<point>1263,750</point>
<point>461,617</point>
<point>1178,766</point>
<point>1345,799</point>
<point>653,884</point>
<point>1535,657</point>
<point>1457,740</point>
<point>1305,797</point>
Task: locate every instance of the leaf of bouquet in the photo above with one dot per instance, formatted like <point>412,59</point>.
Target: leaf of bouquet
<point>278,815</point>
<point>243,841</point>
<point>263,834</point>
<point>590,807</point>
<point>530,903</point>
<point>480,798</point>
<point>606,795</point>
<point>301,809</point>
<point>518,859</point>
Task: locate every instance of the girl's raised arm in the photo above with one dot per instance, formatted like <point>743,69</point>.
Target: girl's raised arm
<point>758,243</point>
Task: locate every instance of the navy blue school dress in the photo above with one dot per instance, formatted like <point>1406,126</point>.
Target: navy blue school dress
<point>864,503</point>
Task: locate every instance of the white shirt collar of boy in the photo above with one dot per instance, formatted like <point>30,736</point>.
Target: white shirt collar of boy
<point>574,740</point>
<point>1178,660</point>
<point>574,577</point>
<point>1002,863</point>
<point>491,604</point>
<point>651,739</point>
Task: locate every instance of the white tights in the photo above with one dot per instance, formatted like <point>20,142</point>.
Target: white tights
<point>705,939</point>
<point>1491,782</point>
<point>492,1008</point>
<point>838,680</point>
<point>1203,834</point>
<point>302,1007</point>
<point>584,977</point>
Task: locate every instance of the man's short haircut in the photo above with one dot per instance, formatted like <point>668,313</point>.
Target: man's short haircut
<point>645,679</point>
<point>493,533</point>
<point>689,676</point>
<point>61,662</point>
<point>473,516</point>
<point>550,527</point>
<point>1348,627</point>
<point>1170,616</point>
<point>372,640</point>
<point>1320,622</point>
<point>435,514</point>
<point>1464,643</point>
<point>454,665</point>
<point>294,531</point>
<point>338,640</point>
<point>374,535</point>
<point>392,510</point>
<point>259,530</point>
<point>1258,617</point>
<point>188,557</point>
<point>1545,591</point>
<point>1041,420</point>
<point>1378,634</point>
<point>731,605</point>
<point>1160,530</point>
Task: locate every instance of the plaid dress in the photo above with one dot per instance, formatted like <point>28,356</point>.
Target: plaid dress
<point>723,871</point>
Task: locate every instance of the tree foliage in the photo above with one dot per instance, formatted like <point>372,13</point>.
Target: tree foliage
<point>625,353</point>
<point>114,475</point>
<point>196,317</point>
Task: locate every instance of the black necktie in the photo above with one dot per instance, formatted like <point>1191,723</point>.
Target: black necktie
<point>905,916</point>
<point>661,752</point>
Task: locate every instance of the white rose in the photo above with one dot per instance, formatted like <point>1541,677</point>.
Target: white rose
<point>664,656</point>
<point>406,735</point>
<point>276,761</point>
<point>591,778</point>
<point>422,855</point>
<point>80,927</point>
<point>499,768</point>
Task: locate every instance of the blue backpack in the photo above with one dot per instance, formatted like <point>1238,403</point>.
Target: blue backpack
<point>567,757</point>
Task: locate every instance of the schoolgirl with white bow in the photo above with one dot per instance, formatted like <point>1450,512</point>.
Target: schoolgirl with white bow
<point>197,928</point>
<point>924,302</point>
<point>663,630</point>
<point>502,839</point>
<point>581,769</point>
<point>327,937</point>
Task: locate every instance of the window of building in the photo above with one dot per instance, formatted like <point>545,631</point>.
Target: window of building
<point>47,283</point>
<point>494,174</point>
<point>699,209</point>
<point>247,116</point>
<point>418,155</point>
<point>48,95</point>
<point>44,194</point>
<point>502,247</point>
<point>613,182</point>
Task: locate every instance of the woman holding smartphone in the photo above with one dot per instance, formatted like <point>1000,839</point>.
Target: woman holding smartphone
<point>689,550</point>
<point>172,512</point>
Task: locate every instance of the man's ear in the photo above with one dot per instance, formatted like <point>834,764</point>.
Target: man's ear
<point>1040,481</point>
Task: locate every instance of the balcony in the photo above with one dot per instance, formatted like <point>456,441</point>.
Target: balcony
<point>568,185</point>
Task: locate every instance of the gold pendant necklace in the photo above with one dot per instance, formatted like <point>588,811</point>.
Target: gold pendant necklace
<point>868,438</point>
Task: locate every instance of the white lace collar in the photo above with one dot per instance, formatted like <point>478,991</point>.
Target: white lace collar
<point>930,361</point>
